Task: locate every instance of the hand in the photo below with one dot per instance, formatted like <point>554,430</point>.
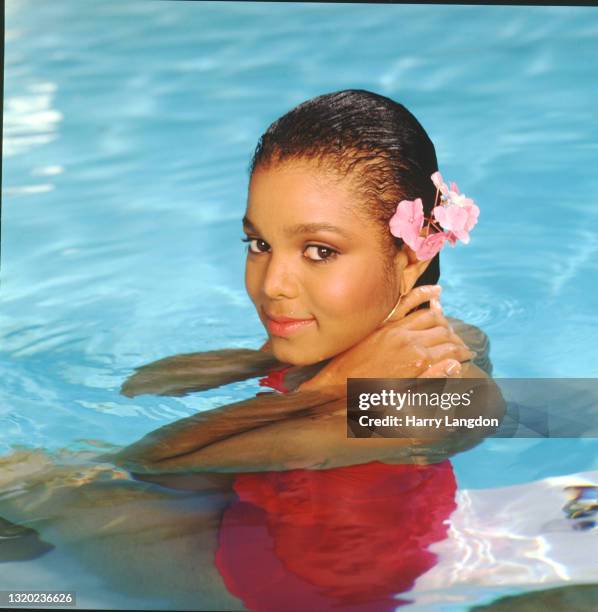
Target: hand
<point>409,345</point>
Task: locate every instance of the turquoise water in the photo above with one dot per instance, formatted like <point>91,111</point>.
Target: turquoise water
<point>128,127</point>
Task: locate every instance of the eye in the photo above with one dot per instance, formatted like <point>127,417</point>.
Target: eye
<point>320,253</point>
<point>257,245</point>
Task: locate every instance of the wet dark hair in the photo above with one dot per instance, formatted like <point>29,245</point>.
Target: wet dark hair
<point>371,138</point>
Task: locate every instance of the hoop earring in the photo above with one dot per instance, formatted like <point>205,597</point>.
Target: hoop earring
<point>394,309</point>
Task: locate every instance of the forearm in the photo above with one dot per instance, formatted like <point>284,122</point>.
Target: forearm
<point>176,447</point>
<point>321,442</point>
<point>310,443</point>
<point>278,432</point>
<point>317,440</point>
<point>182,374</point>
<point>313,442</point>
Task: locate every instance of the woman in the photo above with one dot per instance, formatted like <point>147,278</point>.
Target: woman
<point>334,288</point>
<point>275,476</point>
<point>340,297</point>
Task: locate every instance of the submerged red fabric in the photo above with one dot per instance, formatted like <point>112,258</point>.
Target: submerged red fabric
<point>349,539</point>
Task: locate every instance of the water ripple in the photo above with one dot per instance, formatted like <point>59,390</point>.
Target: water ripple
<point>128,130</point>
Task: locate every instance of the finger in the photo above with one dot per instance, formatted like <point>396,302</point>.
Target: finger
<point>458,340</point>
<point>436,335</point>
<point>442,369</point>
<point>416,297</point>
<point>423,319</point>
<point>436,305</point>
<point>431,337</point>
<point>450,350</point>
<point>428,319</point>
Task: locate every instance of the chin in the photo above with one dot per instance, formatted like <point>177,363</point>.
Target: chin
<point>293,355</point>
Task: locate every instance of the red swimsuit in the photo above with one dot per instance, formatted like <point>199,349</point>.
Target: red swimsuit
<point>349,539</point>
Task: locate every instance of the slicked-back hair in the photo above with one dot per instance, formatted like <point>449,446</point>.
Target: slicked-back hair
<point>369,138</point>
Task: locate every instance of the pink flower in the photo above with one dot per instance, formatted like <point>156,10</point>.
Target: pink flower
<point>457,214</point>
<point>453,218</point>
<point>452,195</point>
<point>407,222</point>
<point>452,239</point>
<point>474,213</point>
<point>459,199</point>
<point>457,220</point>
<point>430,246</point>
<point>440,184</point>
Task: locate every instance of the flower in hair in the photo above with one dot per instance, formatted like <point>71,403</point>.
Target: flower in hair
<point>430,245</point>
<point>408,221</point>
<point>454,216</point>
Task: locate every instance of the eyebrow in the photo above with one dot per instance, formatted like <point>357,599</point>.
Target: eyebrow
<point>302,228</point>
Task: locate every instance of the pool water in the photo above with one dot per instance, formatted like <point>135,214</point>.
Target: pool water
<point>128,128</point>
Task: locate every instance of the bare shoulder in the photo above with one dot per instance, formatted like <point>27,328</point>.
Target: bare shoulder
<point>476,340</point>
<point>471,370</point>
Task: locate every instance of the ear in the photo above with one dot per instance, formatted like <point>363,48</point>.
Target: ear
<point>409,267</point>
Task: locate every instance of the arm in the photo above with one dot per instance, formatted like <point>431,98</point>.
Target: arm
<point>178,447</point>
<point>320,440</point>
<point>182,374</point>
<point>282,432</point>
<point>476,340</point>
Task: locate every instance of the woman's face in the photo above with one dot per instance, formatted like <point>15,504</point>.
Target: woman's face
<point>315,265</point>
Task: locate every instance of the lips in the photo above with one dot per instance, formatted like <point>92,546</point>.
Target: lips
<point>285,326</point>
<point>284,319</point>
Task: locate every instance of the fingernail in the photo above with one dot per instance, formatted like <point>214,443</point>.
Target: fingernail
<point>453,368</point>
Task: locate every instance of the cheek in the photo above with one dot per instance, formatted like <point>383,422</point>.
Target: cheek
<point>359,294</point>
<point>252,281</point>
<point>348,307</point>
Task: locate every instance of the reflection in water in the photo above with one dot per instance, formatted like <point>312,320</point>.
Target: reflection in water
<point>582,506</point>
<point>367,537</point>
<point>30,119</point>
<point>354,536</point>
<point>20,543</point>
<point>576,597</point>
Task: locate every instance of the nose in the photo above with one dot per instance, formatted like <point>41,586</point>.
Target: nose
<point>280,280</point>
